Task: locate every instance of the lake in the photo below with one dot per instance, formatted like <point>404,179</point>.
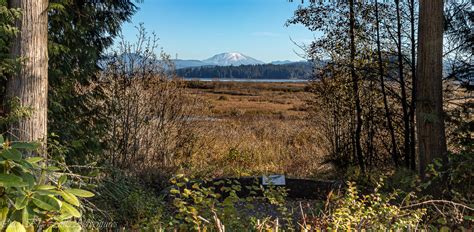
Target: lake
<point>247,80</point>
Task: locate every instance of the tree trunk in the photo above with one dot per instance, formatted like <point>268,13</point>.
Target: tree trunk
<point>413,90</point>
<point>406,118</point>
<point>429,100</point>
<point>388,116</point>
<point>30,84</point>
<point>355,86</point>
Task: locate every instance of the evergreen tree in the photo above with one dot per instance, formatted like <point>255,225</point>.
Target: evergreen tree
<point>29,83</point>
<point>79,33</point>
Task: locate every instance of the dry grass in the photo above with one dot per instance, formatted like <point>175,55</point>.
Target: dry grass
<point>230,99</point>
<point>260,128</point>
<point>254,129</point>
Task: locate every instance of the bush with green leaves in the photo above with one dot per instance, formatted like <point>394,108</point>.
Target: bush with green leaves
<point>198,207</point>
<point>376,211</point>
<point>456,179</point>
<point>34,195</point>
<point>454,184</point>
<point>216,205</point>
<point>126,201</point>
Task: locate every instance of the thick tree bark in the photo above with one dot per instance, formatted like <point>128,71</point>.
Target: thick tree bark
<point>429,101</point>
<point>355,86</point>
<point>388,116</point>
<point>30,84</point>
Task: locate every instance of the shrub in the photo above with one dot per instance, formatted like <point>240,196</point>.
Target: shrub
<point>35,195</point>
<point>454,184</point>
<point>457,179</point>
<point>218,205</point>
<point>376,211</point>
<point>127,202</point>
<point>151,117</point>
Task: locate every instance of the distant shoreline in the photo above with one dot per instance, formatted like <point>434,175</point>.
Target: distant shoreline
<point>247,80</point>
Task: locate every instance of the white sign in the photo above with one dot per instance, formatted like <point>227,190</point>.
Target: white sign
<point>273,180</point>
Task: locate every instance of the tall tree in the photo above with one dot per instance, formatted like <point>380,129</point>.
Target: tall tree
<point>30,84</point>
<point>429,100</point>
<point>79,34</point>
<point>355,87</point>
<point>413,88</point>
<point>403,94</point>
<point>388,115</point>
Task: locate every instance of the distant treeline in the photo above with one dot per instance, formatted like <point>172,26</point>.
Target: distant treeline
<point>297,70</point>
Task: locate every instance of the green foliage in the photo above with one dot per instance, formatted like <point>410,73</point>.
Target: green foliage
<point>238,161</point>
<point>79,32</point>
<point>461,177</point>
<point>375,211</point>
<point>7,31</point>
<point>8,65</point>
<point>16,112</point>
<point>277,196</point>
<point>127,202</point>
<point>35,195</point>
<point>197,205</point>
<point>445,192</point>
<point>454,182</point>
<point>207,206</point>
<point>299,70</point>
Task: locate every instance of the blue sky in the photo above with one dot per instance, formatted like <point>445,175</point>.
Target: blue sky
<point>199,29</point>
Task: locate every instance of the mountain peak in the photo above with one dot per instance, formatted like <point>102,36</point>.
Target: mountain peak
<point>234,55</point>
<point>232,58</point>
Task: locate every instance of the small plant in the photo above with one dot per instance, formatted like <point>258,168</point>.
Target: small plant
<point>277,197</point>
<point>218,206</point>
<point>238,161</point>
<point>376,211</point>
<point>198,206</point>
<point>34,195</point>
<point>454,183</point>
<point>128,202</point>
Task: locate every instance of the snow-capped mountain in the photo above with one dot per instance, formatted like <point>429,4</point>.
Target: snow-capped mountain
<point>227,59</point>
<point>232,58</point>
